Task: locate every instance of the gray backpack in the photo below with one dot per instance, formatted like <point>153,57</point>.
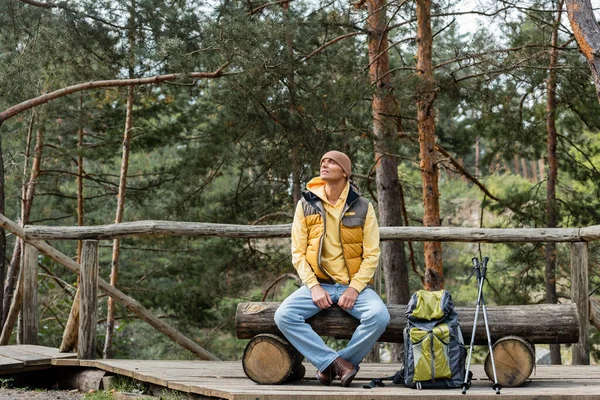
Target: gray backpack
<point>434,349</point>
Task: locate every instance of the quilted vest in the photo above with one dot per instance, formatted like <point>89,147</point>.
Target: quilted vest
<point>351,232</point>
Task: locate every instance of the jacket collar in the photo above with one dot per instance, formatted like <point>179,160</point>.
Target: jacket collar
<point>315,201</point>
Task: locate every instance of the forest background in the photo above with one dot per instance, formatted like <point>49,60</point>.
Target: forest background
<point>471,114</point>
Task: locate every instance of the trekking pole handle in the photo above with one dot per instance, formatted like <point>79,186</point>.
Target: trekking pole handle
<point>476,268</point>
<point>484,266</point>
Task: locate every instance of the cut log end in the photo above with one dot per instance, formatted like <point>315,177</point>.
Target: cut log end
<point>271,360</point>
<point>514,358</point>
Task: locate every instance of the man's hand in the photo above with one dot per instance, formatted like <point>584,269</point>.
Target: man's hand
<point>320,297</point>
<point>348,298</point>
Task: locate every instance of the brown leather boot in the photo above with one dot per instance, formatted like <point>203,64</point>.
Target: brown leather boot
<point>344,370</point>
<point>326,377</point>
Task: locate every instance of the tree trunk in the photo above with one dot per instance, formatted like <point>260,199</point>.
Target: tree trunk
<point>28,192</point>
<point>434,273</point>
<point>2,235</point>
<point>477,152</point>
<point>385,133</point>
<point>294,156</point>
<point>542,168</point>
<point>551,211</point>
<point>114,269</point>
<point>524,168</point>
<point>11,275</point>
<point>587,32</point>
<point>80,135</point>
<point>71,331</point>
<point>534,172</point>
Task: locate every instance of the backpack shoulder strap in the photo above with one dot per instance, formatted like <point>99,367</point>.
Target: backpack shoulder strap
<point>398,378</point>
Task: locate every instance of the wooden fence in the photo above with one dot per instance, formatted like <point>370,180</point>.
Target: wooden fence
<point>35,236</point>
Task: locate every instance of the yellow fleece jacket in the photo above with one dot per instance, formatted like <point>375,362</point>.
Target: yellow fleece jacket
<point>332,258</point>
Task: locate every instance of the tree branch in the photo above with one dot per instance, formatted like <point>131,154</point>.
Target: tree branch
<point>333,41</point>
<point>26,105</point>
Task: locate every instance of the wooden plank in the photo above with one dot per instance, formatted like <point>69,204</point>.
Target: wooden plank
<point>10,363</point>
<point>224,380</point>
<point>28,358</point>
<point>88,301</point>
<point>218,380</point>
<point>197,229</point>
<point>30,294</point>
<point>46,351</point>
<point>579,296</point>
<point>67,362</point>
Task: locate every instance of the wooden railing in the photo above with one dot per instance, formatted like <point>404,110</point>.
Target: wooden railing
<point>35,236</point>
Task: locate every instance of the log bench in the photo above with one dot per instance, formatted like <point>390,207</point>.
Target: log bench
<point>270,359</point>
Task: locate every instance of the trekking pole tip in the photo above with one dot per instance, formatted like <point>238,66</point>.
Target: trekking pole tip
<point>496,387</point>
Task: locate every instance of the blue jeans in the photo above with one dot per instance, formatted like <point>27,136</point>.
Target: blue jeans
<point>291,315</point>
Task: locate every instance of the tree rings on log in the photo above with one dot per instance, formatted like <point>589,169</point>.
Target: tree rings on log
<point>271,360</point>
<point>514,358</point>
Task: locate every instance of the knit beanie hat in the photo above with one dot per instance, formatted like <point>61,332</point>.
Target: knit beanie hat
<point>340,158</point>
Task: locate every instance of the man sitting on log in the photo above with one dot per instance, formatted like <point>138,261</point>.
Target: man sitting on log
<point>335,249</point>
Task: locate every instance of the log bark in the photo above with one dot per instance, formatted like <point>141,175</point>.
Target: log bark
<point>127,301</point>
<point>540,323</point>
<point>514,359</point>
<point>2,236</point>
<point>30,295</point>
<point>69,339</point>
<point>385,132</point>
<point>414,233</point>
<point>579,296</point>
<point>85,381</point>
<point>10,279</point>
<point>86,349</point>
<point>271,360</point>
<point>13,312</point>
<point>587,33</point>
<point>434,272</point>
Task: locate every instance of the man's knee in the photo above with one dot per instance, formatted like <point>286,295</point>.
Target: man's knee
<point>381,317</point>
<point>280,316</point>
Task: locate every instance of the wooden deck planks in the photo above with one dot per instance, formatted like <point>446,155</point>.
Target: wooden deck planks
<point>20,357</point>
<point>226,380</point>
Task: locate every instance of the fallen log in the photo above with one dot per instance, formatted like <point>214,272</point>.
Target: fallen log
<point>539,323</point>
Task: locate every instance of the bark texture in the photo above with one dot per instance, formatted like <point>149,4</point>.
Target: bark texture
<point>434,273</point>
<point>385,133</point>
<point>555,323</point>
<point>587,32</point>
<point>2,235</point>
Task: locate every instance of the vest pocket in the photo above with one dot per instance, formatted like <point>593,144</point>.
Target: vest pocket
<point>353,221</point>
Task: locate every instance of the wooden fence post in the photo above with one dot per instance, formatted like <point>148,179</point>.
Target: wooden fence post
<point>88,292</point>
<point>30,294</point>
<point>579,295</point>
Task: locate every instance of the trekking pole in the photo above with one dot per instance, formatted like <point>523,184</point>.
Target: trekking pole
<point>483,271</point>
<point>466,384</point>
